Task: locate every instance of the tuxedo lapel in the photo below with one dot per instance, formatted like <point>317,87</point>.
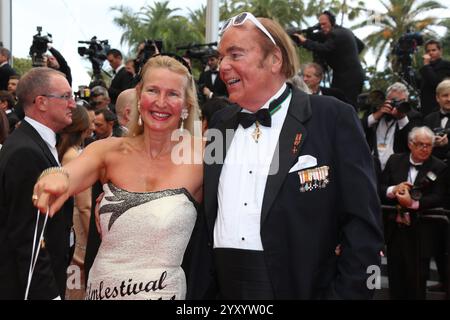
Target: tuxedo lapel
<point>36,138</point>
<point>213,170</point>
<point>288,148</point>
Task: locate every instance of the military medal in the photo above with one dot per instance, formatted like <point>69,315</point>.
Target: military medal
<point>298,139</point>
<point>257,133</point>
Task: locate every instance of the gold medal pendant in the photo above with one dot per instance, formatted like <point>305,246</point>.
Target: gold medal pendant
<point>257,133</point>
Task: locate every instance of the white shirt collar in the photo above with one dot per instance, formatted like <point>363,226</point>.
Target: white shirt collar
<point>274,97</point>
<point>4,63</point>
<point>119,68</point>
<point>47,134</point>
<point>414,163</point>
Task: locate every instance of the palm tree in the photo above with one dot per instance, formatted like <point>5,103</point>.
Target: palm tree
<point>401,17</point>
<point>156,22</point>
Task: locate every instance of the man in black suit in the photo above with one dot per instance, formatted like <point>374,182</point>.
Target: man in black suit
<point>121,79</point>
<point>30,149</point>
<point>209,82</point>
<point>340,50</point>
<point>387,127</point>
<point>313,75</point>
<point>438,121</point>
<point>404,174</point>
<point>6,70</point>
<point>434,70</point>
<point>292,185</point>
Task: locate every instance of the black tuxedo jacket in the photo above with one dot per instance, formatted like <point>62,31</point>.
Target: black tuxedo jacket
<point>122,81</point>
<point>340,51</point>
<point>5,72</point>
<point>300,230</point>
<point>433,121</point>
<point>23,157</point>
<point>431,75</point>
<point>219,88</point>
<point>397,170</point>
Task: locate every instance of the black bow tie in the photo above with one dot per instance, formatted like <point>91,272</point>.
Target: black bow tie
<point>443,115</point>
<point>263,116</point>
<point>417,166</point>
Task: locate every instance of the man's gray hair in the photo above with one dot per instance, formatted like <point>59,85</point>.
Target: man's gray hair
<point>398,87</point>
<point>421,131</point>
<point>5,52</point>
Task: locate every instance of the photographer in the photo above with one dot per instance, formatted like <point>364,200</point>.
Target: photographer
<point>435,70</point>
<point>56,61</point>
<point>438,121</point>
<point>340,49</point>
<point>121,79</point>
<point>413,181</point>
<point>388,126</point>
<point>209,82</point>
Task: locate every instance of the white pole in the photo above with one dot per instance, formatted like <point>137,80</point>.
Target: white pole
<point>212,21</point>
<point>6,23</point>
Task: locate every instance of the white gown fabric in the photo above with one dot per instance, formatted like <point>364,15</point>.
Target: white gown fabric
<point>144,237</point>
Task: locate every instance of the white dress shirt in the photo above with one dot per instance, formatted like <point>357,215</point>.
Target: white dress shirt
<point>243,180</point>
<point>385,136</point>
<point>47,134</point>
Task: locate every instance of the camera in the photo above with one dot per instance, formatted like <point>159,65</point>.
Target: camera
<point>151,47</point>
<point>96,53</point>
<point>401,106</point>
<point>200,51</point>
<point>39,48</point>
<point>441,131</point>
<point>312,33</point>
<point>417,190</point>
<point>407,44</point>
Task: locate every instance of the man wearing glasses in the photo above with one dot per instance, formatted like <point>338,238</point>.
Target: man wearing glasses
<point>296,180</point>
<point>47,100</point>
<point>413,181</point>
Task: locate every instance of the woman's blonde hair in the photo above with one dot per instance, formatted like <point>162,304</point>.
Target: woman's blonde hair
<point>169,63</point>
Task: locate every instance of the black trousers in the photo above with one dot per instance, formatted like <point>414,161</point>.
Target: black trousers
<point>242,275</point>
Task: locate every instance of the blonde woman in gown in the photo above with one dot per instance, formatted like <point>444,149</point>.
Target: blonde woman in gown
<point>151,190</point>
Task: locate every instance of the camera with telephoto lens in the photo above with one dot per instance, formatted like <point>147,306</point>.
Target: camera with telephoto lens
<point>370,101</point>
<point>401,105</point>
<point>441,131</point>
<point>151,47</point>
<point>39,48</point>
<point>96,53</point>
<point>416,191</point>
<point>312,33</point>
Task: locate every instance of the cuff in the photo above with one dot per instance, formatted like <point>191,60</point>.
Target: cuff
<point>390,192</point>
<point>371,121</point>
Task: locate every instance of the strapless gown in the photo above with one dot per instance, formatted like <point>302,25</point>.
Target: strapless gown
<point>144,236</point>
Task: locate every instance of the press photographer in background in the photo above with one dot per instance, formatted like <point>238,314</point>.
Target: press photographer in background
<point>387,126</point>
<point>413,181</point>
<point>438,121</point>
<point>209,81</point>
<point>56,61</point>
<point>340,49</point>
<point>434,70</point>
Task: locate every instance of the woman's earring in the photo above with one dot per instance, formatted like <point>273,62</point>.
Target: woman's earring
<point>184,116</point>
<point>140,121</point>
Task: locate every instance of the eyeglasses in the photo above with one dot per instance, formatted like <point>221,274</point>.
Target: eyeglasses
<point>240,19</point>
<point>421,145</point>
<point>67,96</point>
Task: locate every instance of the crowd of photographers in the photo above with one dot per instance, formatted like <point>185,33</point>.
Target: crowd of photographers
<point>410,145</point>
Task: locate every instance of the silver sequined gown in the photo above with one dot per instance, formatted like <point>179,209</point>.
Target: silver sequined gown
<point>144,236</point>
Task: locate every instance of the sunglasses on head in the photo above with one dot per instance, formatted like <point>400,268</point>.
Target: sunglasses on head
<point>240,19</point>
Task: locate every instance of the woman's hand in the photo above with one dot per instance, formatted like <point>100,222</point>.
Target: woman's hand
<point>50,192</point>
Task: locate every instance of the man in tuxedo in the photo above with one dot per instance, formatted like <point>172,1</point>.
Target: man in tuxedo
<point>292,185</point>
<point>438,121</point>
<point>434,70</point>
<point>121,79</point>
<point>6,71</point>
<point>387,127</point>
<point>414,181</point>
<point>313,75</point>
<point>340,50</point>
<point>48,102</point>
<point>209,82</point>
